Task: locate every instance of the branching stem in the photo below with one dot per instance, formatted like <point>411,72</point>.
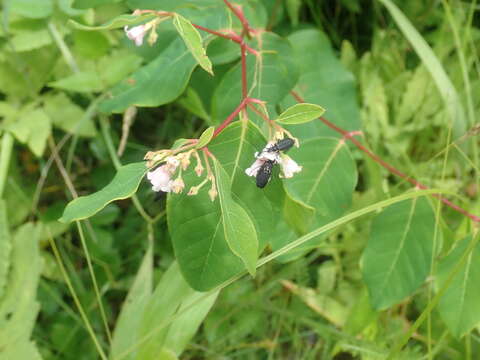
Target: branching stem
<point>349,135</point>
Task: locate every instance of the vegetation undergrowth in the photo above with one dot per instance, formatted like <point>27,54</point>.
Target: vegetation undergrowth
<point>247,179</point>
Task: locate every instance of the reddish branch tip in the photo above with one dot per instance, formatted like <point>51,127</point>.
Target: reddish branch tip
<point>377,159</point>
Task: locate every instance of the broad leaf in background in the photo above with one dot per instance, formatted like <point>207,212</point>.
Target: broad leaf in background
<point>33,128</point>
<point>324,81</point>
<point>398,255</point>
<point>238,229</point>
<point>193,41</point>
<point>271,77</point>
<point>68,116</point>
<point>459,305</point>
<point>31,9</point>
<point>108,72</point>
<point>128,323</point>
<point>300,113</point>
<point>172,295</point>
<point>5,246</point>
<point>156,83</point>
<point>325,184</point>
<point>18,307</point>
<point>124,184</point>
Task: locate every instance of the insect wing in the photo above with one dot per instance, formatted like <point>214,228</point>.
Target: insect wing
<point>264,174</point>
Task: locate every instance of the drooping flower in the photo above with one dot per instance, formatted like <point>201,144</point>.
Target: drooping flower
<point>160,179</point>
<point>289,167</point>
<point>137,33</point>
<point>253,169</point>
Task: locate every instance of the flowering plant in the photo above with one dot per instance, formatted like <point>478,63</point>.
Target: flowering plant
<point>251,196</point>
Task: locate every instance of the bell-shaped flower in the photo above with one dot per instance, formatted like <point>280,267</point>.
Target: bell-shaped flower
<point>137,33</point>
<point>289,167</point>
<point>253,169</point>
<point>160,178</point>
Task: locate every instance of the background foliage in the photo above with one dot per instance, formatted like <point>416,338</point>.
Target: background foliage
<point>399,282</point>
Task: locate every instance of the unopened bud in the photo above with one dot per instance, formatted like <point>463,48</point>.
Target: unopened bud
<point>178,185</point>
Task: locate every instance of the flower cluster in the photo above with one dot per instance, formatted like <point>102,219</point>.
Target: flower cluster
<point>166,176</point>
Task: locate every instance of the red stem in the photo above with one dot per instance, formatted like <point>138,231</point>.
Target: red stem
<point>234,37</point>
<point>230,117</point>
<point>377,159</point>
<point>237,11</point>
<point>244,71</point>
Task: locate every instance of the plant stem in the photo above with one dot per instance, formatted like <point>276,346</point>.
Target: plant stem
<point>5,155</point>
<point>348,135</point>
<point>237,11</point>
<point>230,117</point>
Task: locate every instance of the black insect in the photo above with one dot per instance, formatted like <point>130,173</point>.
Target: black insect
<point>264,173</point>
<point>282,145</point>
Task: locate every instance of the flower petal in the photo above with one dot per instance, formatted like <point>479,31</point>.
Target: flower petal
<point>253,169</point>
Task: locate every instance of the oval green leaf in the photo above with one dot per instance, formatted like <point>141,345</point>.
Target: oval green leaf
<point>205,137</point>
<point>193,40</point>
<point>398,255</point>
<point>157,83</point>
<point>117,22</point>
<point>124,184</point>
<point>238,229</point>
<point>325,184</point>
<point>458,306</point>
<point>202,251</point>
<point>301,113</point>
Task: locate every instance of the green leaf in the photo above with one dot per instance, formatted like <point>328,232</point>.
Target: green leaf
<point>235,147</point>
<point>238,229</point>
<point>124,184</point>
<point>83,81</point>
<point>171,296</point>
<point>68,116</point>
<point>30,40</point>
<point>128,323</point>
<point>325,184</point>
<point>157,83</point>
<point>458,306</point>
<point>117,22</point>
<point>193,103</point>
<point>18,307</point>
<point>5,246</point>
<point>293,10</point>
<point>323,80</point>
<point>193,41</point>
<point>31,9</point>
<point>200,247</point>
<point>85,4</point>
<point>273,76</point>
<point>300,113</point>
<point>205,137</point>
<point>32,128</point>
<point>398,255</point>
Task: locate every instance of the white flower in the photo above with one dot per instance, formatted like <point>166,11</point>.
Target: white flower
<point>160,178</point>
<point>289,166</point>
<point>253,170</point>
<point>136,33</point>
